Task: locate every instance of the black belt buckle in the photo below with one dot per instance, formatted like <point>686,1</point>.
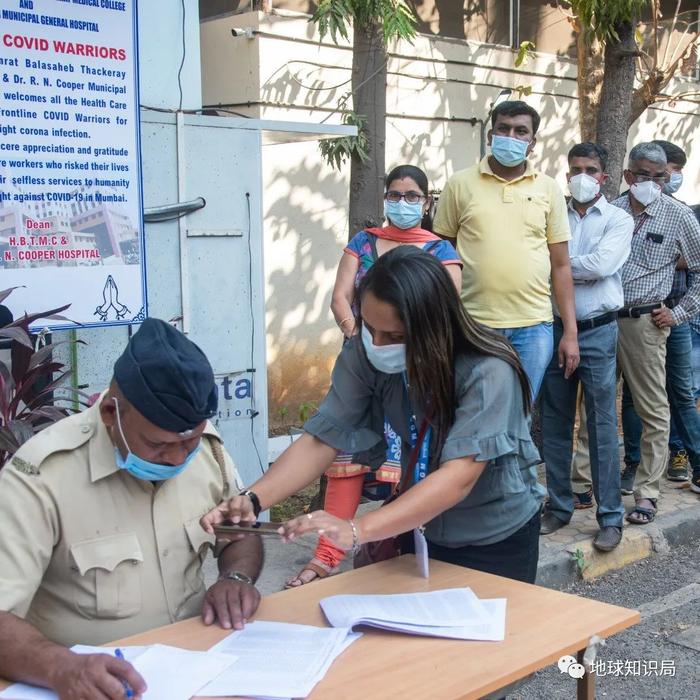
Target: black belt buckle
<point>635,312</point>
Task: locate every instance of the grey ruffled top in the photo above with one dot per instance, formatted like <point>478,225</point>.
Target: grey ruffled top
<point>490,425</point>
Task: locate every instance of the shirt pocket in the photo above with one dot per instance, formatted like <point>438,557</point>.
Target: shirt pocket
<point>495,483</point>
<point>535,212</point>
<point>108,581</point>
<point>200,543</point>
<point>656,249</point>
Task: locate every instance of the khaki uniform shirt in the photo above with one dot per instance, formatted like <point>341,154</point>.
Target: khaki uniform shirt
<point>89,553</point>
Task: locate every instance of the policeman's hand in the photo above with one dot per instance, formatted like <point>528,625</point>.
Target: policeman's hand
<point>568,353</point>
<point>97,677</point>
<point>337,530</point>
<point>236,509</point>
<point>230,602</point>
<point>663,318</point>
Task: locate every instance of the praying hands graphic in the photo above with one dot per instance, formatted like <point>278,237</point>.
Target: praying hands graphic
<point>110,300</point>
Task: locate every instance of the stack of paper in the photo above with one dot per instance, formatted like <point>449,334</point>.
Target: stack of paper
<point>454,612</point>
<point>169,672</point>
<point>277,660</point>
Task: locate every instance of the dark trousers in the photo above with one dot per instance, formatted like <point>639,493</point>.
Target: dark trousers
<point>514,557</point>
<point>596,373</point>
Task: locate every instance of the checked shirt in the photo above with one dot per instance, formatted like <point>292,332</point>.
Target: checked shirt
<point>665,231</point>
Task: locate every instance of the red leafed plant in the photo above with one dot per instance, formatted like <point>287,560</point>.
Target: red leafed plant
<point>33,383</point>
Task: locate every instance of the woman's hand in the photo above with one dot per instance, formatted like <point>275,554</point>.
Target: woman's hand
<point>337,530</point>
<point>349,327</point>
<point>237,509</point>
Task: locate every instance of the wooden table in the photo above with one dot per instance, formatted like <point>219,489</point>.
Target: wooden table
<point>541,626</point>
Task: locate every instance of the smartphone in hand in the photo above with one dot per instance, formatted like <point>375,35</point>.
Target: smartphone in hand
<point>227,529</point>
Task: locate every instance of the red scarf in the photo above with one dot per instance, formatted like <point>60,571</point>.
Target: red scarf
<point>409,235</point>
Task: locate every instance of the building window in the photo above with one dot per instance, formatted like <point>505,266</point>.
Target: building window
<point>546,26</point>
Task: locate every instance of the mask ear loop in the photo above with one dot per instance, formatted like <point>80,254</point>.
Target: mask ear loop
<point>119,423</point>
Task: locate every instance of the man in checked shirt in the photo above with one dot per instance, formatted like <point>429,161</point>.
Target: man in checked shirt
<point>664,231</point>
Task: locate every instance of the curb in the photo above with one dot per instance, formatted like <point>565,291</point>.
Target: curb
<point>560,569</point>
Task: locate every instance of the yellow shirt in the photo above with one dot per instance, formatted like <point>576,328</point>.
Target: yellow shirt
<point>89,553</point>
<point>502,229</point>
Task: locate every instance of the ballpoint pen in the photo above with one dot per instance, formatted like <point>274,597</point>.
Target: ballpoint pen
<point>127,688</point>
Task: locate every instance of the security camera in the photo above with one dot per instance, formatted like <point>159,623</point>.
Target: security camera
<point>247,32</point>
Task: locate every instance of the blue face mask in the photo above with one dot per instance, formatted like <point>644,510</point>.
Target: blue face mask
<point>508,151</point>
<point>143,469</point>
<point>402,214</point>
<point>390,359</point>
<point>674,183</point>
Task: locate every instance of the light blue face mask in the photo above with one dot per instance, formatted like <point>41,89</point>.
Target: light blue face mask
<point>390,359</point>
<point>674,183</point>
<point>508,151</point>
<point>402,214</point>
<point>143,469</point>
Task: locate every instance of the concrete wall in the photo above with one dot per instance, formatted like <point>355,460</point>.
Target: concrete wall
<point>435,89</point>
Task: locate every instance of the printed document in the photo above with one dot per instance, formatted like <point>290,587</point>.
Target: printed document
<point>277,659</point>
<point>455,613</point>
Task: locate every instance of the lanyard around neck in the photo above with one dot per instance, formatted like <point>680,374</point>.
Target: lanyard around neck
<point>420,442</point>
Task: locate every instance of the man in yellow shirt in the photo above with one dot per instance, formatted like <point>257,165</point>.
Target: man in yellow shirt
<point>511,226</point>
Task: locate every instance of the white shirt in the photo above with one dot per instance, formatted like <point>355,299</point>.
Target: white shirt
<point>600,243</point>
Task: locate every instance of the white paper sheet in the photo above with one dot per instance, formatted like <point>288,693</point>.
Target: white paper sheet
<point>22,691</point>
<point>455,613</point>
<point>177,674</point>
<point>493,630</point>
<point>169,672</point>
<point>277,659</point>
<point>451,607</point>
<point>421,548</point>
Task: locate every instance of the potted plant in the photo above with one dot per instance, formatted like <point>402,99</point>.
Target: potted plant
<point>32,382</point>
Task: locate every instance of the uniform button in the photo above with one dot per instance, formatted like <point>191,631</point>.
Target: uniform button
<point>166,552</point>
<point>85,429</point>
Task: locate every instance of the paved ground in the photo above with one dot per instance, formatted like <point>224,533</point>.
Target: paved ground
<point>666,589</point>
<point>677,522</point>
<point>675,497</point>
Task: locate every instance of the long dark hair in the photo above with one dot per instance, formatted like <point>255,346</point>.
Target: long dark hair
<point>437,329</point>
<point>421,179</point>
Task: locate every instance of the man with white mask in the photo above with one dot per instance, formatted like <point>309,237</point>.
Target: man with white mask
<point>684,440</point>
<point>665,230</point>
<point>601,235</point>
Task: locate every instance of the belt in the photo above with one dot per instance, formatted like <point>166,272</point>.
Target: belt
<point>590,323</point>
<point>673,301</point>
<point>637,311</point>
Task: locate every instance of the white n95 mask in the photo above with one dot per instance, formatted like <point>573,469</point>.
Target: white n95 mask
<point>645,192</point>
<point>584,188</point>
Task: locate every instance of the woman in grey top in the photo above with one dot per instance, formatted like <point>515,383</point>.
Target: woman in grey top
<point>420,360</point>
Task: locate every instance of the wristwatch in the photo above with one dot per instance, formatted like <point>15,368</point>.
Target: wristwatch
<point>253,499</point>
<point>237,576</point>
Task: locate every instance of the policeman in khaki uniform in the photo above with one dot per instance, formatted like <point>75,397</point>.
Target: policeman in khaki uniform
<point>101,536</point>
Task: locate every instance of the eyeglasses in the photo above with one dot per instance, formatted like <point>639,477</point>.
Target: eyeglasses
<point>410,197</point>
<point>658,179</point>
